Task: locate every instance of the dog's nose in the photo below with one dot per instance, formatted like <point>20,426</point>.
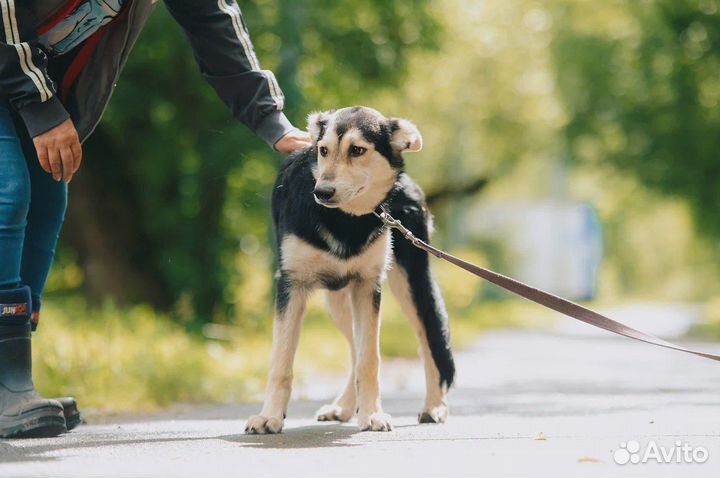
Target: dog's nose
<point>324,193</point>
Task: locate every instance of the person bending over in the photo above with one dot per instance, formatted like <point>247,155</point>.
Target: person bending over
<point>59,61</point>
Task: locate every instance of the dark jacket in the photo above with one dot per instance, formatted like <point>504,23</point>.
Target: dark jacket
<point>217,33</point>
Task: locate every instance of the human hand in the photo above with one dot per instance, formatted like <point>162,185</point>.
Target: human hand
<point>59,151</point>
<point>292,141</point>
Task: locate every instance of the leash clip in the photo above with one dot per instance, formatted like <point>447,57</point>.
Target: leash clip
<point>393,223</point>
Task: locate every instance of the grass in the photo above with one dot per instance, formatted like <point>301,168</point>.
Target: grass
<point>134,359</point>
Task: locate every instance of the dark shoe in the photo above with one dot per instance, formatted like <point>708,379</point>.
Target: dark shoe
<point>71,412</point>
<point>23,413</point>
<point>70,408</point>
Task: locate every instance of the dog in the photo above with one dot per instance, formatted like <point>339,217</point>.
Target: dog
<point>328,238</point>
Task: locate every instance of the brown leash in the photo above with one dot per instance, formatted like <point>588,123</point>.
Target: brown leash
<point>551,301</point>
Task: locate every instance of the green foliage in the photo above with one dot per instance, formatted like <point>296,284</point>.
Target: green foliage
<point>613,103</point>
<point>642,92</point>
<point>505,102</point>
<point>134,359</point>
<point>171,207</point>
<point>176,192</point>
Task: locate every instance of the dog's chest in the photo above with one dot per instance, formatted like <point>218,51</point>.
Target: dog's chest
<point>315,267</point>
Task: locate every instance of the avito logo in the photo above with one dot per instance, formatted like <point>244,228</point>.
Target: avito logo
<point>680,452</point>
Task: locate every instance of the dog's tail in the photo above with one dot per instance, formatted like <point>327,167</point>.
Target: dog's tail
<point>414,287</point>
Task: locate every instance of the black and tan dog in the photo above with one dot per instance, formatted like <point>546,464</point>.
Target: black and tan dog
<point>328,238</point>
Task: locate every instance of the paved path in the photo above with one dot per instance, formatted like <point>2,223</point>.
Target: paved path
<point>527,404</point>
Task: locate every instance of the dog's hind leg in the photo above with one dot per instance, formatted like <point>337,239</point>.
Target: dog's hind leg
<point>436,406</point>
<point>289,314</point>
<point>365,298</point>
<point>343,407</point>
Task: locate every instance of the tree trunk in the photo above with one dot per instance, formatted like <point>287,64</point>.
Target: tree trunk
<point>103,227</point>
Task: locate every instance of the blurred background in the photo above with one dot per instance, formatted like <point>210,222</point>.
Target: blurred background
<point>569,143</point>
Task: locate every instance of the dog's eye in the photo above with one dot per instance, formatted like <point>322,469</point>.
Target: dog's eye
<point>323,151</point>
<point>356,151</point>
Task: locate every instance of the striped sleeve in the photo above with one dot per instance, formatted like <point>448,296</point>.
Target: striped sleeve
<point>23,73</point>
<point>223,49</point>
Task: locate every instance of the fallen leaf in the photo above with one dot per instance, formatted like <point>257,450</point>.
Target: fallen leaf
<point>587,459</point>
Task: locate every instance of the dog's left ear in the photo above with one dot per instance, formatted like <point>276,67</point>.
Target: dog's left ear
<point>404,136</point>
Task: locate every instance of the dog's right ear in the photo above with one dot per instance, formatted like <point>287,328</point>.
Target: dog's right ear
<point>317,122</point>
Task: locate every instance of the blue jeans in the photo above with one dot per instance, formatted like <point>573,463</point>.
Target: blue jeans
<point>32,210</point>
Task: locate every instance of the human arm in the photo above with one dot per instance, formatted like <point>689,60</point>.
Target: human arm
<point>24,82</point>
<point>226,57</point>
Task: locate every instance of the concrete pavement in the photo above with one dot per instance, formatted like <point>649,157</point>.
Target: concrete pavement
<point>527,404</point>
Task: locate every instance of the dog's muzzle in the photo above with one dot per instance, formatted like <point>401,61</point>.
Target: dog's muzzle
<point>324,194</point>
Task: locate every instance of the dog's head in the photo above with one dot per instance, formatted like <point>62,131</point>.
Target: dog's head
<point>359,156</point>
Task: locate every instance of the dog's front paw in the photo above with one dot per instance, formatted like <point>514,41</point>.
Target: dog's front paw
<point>334,413</point>
<point>434,415</point>
<point>377,422</point>
<point>261,425</point>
